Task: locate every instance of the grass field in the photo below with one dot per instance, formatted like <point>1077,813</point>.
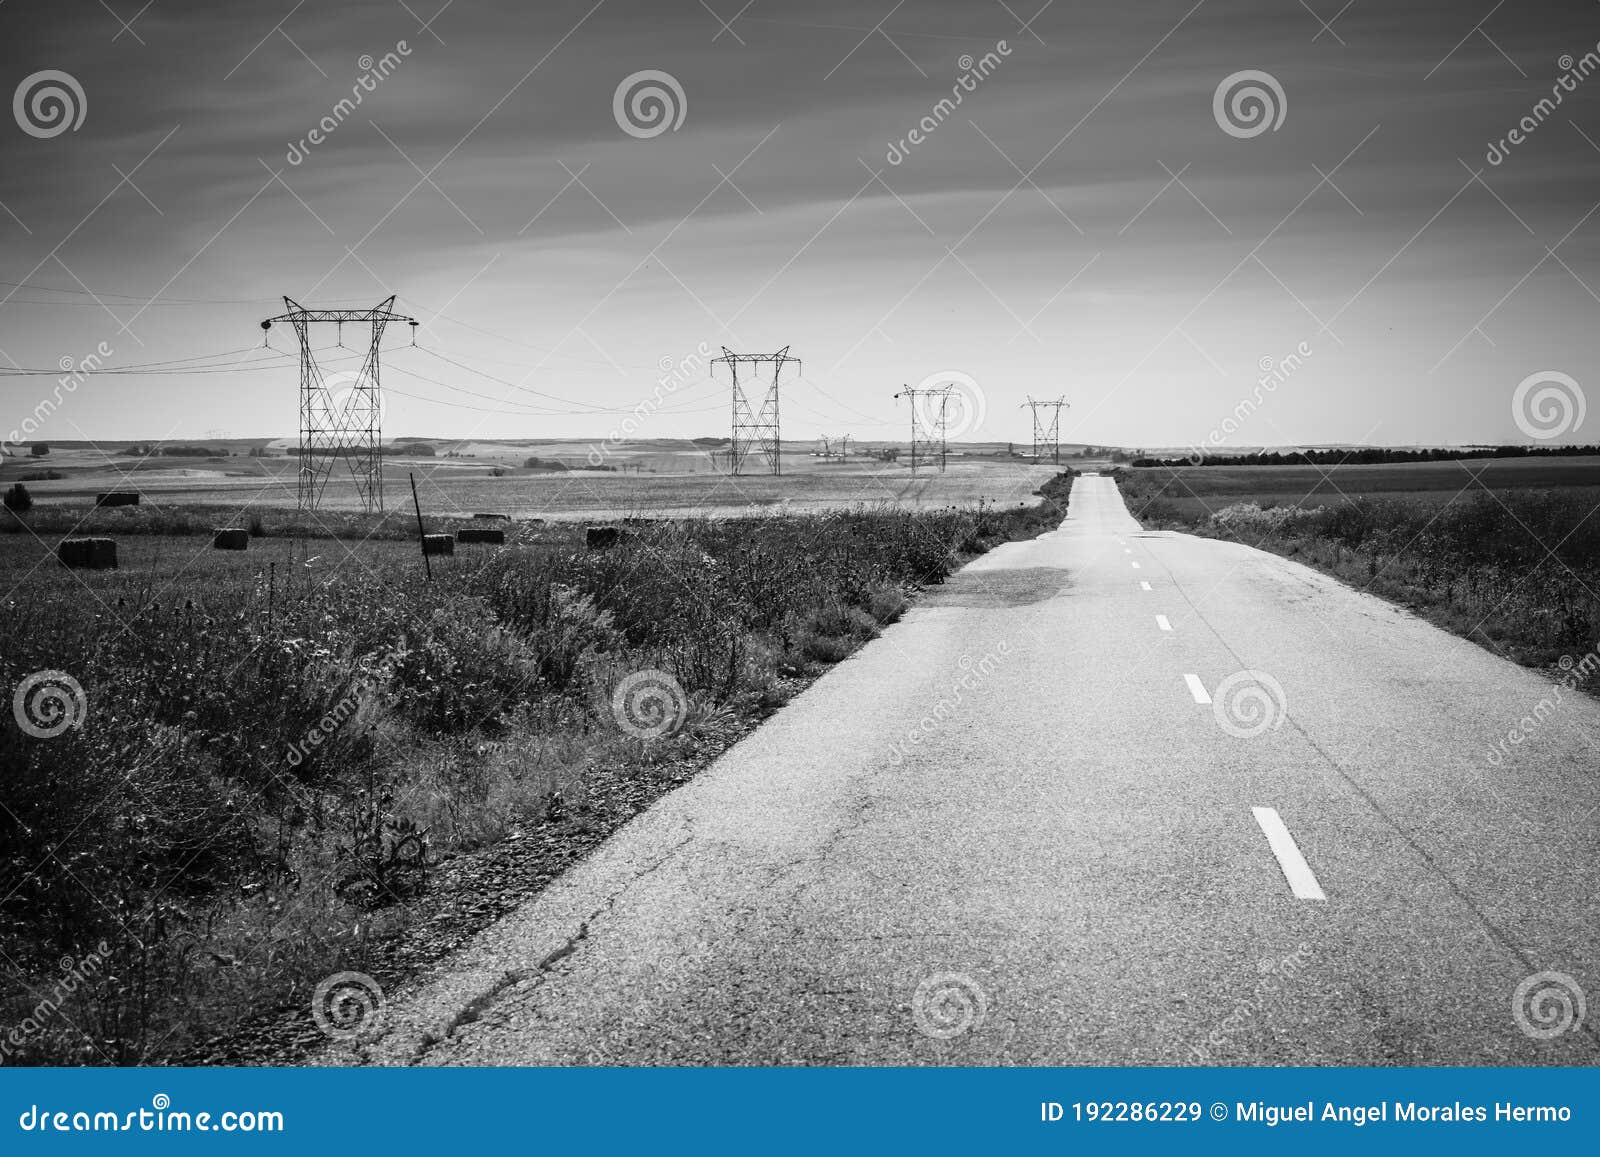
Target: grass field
<point>1504,552</point>
<point>658,479</point>
<point>243,767</point>
<point>1195,492</point>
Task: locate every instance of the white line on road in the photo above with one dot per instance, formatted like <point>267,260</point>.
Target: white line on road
<point>1144,586</point>
<point>1197,689</point>
<point>1161,621</point>
<point>1135,566</point>
<point>1302,881</point>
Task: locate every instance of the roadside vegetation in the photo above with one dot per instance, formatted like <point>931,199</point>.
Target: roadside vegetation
<point>1516,569</point>
<point>271,762</point>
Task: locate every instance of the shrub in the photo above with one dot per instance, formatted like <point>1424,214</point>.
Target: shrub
<point>18,500</point>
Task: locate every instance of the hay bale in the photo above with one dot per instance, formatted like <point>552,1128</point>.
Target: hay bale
<point>481,534</point>
<point>438,544</point>
<point>88,553</point>
<point>230,538</point>
<point>602,537</point>
<point>494,517</point>
<point>117,498</point>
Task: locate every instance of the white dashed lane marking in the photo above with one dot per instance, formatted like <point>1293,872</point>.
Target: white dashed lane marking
<point>1302,881</point>
<point>1197,689</point>
<point>1144,586</point>
<point>1163,623</point>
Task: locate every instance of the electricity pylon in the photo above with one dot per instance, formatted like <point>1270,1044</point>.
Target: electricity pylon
<point>346,422</point>
<point>928,408</point>
<point>1047,431</point>
<point>752,428</point>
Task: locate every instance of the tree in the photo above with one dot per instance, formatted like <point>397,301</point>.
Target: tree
<point>18,500</point>
<point>40,449</point>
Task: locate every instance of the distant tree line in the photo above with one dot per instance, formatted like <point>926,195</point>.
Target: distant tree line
<point>1369,455</point>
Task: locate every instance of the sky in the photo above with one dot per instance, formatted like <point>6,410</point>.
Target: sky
<point>1086,223</point>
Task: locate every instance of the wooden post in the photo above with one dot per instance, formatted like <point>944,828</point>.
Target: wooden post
<point>417,506</point>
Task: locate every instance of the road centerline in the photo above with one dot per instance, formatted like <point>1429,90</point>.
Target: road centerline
<point>1302,881</point>
<point>1197,689</point>
<point>1163,622</point>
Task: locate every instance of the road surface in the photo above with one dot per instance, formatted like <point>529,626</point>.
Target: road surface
<point>1044,820</point>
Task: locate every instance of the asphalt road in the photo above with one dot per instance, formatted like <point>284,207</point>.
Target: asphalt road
<point>1012,831</point>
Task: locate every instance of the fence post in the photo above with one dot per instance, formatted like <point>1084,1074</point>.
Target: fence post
<point>417,506</point>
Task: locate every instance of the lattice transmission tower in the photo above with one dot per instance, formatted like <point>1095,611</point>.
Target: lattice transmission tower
<point>1046,429</point>
<point>929,410</point>
<point>754,429</point>
<point>341,414</point>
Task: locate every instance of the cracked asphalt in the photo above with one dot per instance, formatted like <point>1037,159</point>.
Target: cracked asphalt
<point>1013,831</point>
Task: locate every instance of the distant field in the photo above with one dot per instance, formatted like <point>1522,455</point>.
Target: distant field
<point>462,486</point>
<point>1194,491</point>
